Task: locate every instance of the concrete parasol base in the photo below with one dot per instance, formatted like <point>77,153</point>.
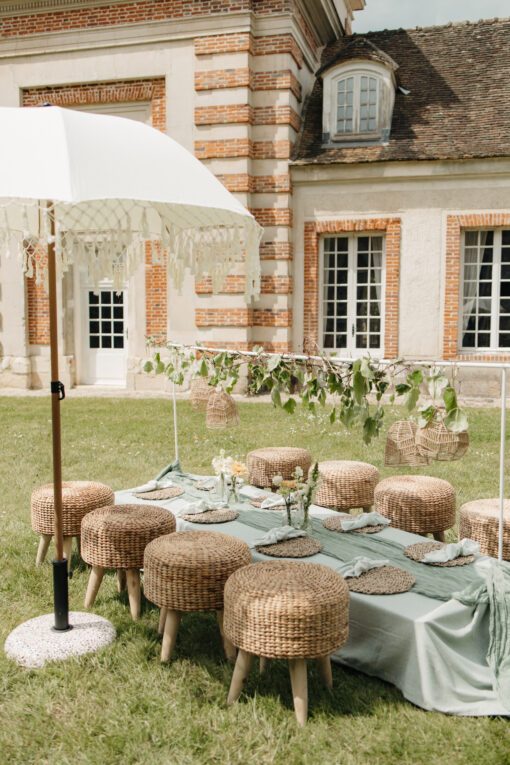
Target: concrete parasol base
<point>34,643</point>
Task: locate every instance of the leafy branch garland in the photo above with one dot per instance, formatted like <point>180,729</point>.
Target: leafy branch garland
<point>357,386</point>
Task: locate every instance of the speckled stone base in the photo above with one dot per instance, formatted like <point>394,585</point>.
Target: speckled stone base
<point>34,643</point>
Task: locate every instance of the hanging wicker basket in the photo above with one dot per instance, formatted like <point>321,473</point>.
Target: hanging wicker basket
<point>200,392</point>
<point>436,442</point>
<point>401,446</point>
<point>221,411</point>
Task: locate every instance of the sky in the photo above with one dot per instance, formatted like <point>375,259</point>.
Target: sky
<point>392,14</point>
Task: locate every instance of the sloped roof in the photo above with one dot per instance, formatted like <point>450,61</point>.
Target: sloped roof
<point>358,46</point>
<point>459,102</point>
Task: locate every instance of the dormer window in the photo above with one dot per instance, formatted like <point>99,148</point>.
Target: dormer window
<point>358,102</point>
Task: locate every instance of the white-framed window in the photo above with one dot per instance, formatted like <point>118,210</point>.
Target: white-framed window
<point>357,104</point>
<point>351,311</point>
<point>485,290</point>
<point>358,99</point>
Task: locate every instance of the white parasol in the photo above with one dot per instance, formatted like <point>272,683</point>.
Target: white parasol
<point>96,191</point>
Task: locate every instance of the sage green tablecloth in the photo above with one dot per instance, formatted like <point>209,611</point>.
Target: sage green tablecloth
<point>434,648</point>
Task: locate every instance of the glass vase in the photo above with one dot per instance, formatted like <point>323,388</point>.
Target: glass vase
<point>300,518</point>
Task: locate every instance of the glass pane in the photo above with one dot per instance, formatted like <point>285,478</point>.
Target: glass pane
<point>504,323</point>
<point>505,237</point>
<point>118,327</point>
<point>484,323</point>
<point>341,260</point>
<point>505,271</point>
<point>470,256</point>
<point>93,312</point>
<point>363,243</point>
<point>375,341</point>
<point>118,341</point>
<point>377,243</point>
<point>106,312</point>
<point>106,327</point>
<point>118,298</point>
<point>361,293</point>
<point>374,309</point>
<point>362,276</point>
<point>93,299</point>
<point>361,341</point>
<point>504,306</point>
<point>341,293</point>
<point>504,340</point>
<point>361,309</point>
<point>94,327</point>
<point>361,325</point>
<point>329,244</point>
<point>471,238</point>
<point>328,341</point>
<point>484,340</point>
<point>330,324</point>
<point>485,273</point>
<point>341,325</point>
<point>341,309</point>
<point>375,325</point>
<point>362,260</point>
<point>94,341</point>
<point>105,297</point>
<point>505,289</point>
<point>468,341</point>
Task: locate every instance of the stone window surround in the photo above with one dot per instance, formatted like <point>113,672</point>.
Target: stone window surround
<point>385,101</point>
<point>314,230</point>
<point>455,225</point>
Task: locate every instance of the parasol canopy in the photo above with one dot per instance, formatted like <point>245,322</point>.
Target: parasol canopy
<point>115,185</point>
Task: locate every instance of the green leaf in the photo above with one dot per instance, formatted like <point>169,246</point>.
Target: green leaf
<point>290,405</point>
<point>411,399</point>
<point>275,396</point>
<point>332,415</point>
<point>273,363</point>
<point>365,369</point>
<point>203,370</point>
<point>347,416</point>
<point>148,366</point>
<point>425,416</point>
<point>160,367</point>
<point>450,399</point>
<point>416,377</point>
<point>370,429</point>
<point>402,388</point>
<point>358,384</point>
<point>436,384</point>
<point>456,421</point>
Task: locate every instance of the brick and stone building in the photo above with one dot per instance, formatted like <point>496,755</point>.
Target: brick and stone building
<point>225,78</point>
<point>378,165</point>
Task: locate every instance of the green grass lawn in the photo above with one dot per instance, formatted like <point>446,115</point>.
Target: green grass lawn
<point>122,706</point>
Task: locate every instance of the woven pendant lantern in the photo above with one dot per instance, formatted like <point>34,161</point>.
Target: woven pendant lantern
<point>436,442</point>
<point>200,392</point>
<point>221,411</point>
<point>401,446</point>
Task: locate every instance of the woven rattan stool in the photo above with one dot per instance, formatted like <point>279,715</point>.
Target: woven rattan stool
<point>417,503</point>
<point>479,520</point>
<point>347,484</point>
<point>264,464</point>
<point>116,537</point>
<point>288,610</point>
<point>78,499</point>
<point>187,571</point>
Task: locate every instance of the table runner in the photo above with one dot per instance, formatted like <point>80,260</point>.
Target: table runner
<point>434,650</point>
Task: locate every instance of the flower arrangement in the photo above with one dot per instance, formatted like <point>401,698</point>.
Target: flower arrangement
<point>300,491</point>
<point>222,468</point>
<point>237,475</point>
<point>230,472</point>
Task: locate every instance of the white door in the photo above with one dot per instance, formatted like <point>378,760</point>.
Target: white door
<point>351,315</point>
<point>104,335</point>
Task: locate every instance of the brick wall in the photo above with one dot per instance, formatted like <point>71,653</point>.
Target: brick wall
<point>313,232</point>
<point>38,306</point>
<point>117,91</point>
<point>455,224</point>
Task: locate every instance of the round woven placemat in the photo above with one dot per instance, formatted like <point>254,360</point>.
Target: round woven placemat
<point>299,547</point>
<point>222,515</point>
<point>170,493</point>
<point>418,551</point>
<point>387,580</point>
<point>200,486</point>
<point>334,523</point>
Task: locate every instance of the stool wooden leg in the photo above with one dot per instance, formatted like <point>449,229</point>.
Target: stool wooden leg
<point>162,620</point>
<point>121,579</point>
<point>68,550</point>
<point>298,681</point>
<point>241,669</point>
<point>134,594</point>
<point>439,536</point>
<point>78,544</point>
<point>172,621</point>
<point>44,543</point>
<point>324,668</point>
<point>95,579</point>
<point>263,664</point>
<point>229,648</point>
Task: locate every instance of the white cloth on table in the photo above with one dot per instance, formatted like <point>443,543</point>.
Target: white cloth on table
<point>163,483</point>
<point>452,551</point>
<point>208,483</point>
<point>270,502</point>
<point>202,506</point>
<point>359,565</point>
<point>364,519</point>
<point>279,534</point>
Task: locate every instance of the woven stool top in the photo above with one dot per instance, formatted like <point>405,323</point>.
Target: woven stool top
<point>487,508</point>
<point>424,486</point>
<point>386,580</point>
<point>126,518</point>
<point>418,551</point>
<point>299,547</point>
<point>73,491</point>
<point>284,453</point>
<point>194,548</point>
<point>223,515</point>
<point>347,467</point>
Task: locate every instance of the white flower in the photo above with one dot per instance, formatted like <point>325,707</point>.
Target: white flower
<point>277,480</point>
<point>298,472</point>
<point>222,464</point>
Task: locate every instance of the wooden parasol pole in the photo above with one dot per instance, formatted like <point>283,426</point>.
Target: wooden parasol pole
<point>60,575</point>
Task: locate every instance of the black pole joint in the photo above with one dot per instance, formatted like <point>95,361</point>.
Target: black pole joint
<point>58,387</point>
<point>61,595</point>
